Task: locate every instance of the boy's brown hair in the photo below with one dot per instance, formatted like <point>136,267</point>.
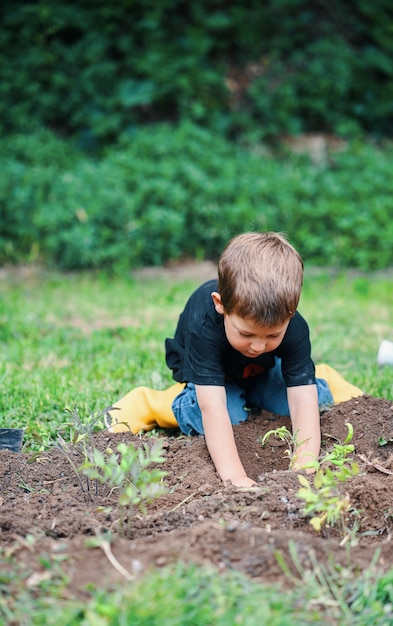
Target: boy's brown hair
<point>260,277</point>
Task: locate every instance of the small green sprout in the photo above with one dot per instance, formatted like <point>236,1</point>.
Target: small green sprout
<point>284,435</point>
<point>323,500</point>
<point>339,454</point>
<point>382,441</point>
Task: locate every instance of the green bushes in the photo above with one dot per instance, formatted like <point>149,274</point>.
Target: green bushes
<point>307,91</point>
<point>93,69</point>
<point>170,192</point>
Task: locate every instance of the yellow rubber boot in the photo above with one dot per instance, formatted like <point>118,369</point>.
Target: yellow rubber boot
<point>341,389</point>
<point>144,408</point>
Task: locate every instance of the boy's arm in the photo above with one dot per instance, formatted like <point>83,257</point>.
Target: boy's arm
<point>304,412</point>
<point>219,436</point>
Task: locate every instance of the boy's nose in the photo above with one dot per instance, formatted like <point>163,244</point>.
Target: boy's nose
<point>258,346</point>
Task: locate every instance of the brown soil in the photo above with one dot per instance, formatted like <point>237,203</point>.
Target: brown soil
<point>44,511</point>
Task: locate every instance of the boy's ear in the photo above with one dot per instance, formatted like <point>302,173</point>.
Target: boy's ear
<point>217,302</point>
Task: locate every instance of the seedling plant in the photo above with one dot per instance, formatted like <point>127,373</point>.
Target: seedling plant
<point>127,471</point>
<point>323,499</point>
<point>80,442</point>
<point>284,435</point>
<point>124,470</point>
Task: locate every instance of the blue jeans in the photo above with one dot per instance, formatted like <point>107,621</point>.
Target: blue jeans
<point>269,393</point>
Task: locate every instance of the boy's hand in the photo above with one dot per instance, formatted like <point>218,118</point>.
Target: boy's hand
<point>244,481</point>
<point>219,436</point>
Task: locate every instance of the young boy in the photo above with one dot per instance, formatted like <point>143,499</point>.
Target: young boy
<point>240,343</point>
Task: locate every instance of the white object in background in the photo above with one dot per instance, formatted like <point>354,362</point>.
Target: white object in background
<point>385,353</point>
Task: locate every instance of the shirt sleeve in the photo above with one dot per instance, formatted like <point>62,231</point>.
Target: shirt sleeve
<point>203,360</point>
<point>295,353</point>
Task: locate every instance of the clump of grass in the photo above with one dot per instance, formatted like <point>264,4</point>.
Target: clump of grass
<point>196,596</point>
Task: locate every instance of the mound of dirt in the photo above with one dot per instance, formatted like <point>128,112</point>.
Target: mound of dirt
<point>45,512</point>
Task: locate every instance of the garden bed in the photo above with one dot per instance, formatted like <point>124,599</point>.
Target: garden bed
<point>46,518</point>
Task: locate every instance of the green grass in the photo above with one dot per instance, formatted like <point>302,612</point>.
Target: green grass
<point>86,339</point>
<point>187,595</point>
<point>349,314</point>
<point>80,340</point>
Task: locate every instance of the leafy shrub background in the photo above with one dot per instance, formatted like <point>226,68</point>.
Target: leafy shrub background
<point>175,191</point>
<point>133,133</point>
<point>95,69</point>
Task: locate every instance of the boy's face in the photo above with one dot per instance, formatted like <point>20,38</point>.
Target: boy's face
<point>248,337</point>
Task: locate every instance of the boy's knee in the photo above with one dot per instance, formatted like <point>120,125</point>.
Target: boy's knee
<point>187,412</point>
